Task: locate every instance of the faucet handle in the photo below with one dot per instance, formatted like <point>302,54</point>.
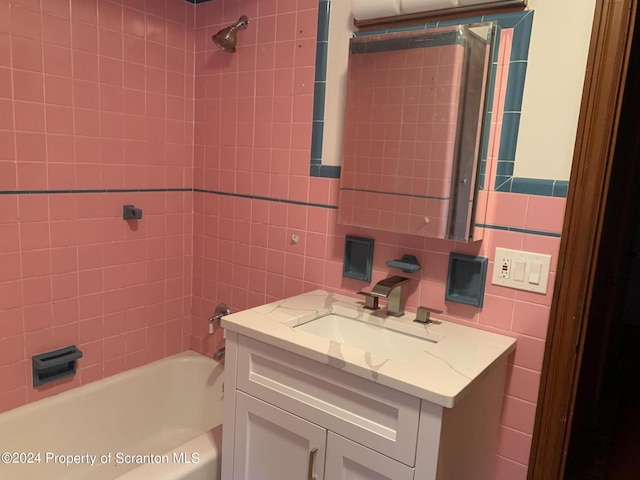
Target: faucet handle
<point>370,301</point>
<point>221,311</point>
<point>423,315</point>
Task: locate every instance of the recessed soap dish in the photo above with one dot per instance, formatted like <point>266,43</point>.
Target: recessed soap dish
<point>50,366</point>
<point>466,279</point>
<point>358,258</point>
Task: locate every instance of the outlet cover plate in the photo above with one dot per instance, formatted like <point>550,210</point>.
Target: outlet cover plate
<point>533,262</point>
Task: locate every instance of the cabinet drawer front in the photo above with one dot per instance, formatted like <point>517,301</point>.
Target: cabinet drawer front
<point>373,415</point>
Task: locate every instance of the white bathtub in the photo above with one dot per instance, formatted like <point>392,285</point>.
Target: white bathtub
<point>161,421</point>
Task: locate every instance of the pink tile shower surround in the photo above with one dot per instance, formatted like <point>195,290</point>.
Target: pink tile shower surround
<point>95,95</point>
<point>133,95</point>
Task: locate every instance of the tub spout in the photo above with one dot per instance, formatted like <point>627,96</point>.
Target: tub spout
<point>219,355</point>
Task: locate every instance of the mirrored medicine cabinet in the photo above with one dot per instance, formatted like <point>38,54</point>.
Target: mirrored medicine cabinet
<point>413,130</point>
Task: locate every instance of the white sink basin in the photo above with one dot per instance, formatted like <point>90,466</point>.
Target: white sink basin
<point>376,339</point>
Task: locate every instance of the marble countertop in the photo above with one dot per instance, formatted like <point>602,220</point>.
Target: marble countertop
<point>443,373</point>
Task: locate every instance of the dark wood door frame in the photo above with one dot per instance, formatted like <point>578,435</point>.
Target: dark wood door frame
<point>590,175</point>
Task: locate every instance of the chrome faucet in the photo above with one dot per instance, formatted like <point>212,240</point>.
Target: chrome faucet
<point>221,311</point>
<point>391,289</point>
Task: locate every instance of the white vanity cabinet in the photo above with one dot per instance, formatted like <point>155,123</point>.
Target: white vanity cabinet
<point>289,417</point>
<point>263,432</point>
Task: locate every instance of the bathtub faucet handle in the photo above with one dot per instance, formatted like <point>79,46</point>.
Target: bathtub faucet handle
<point>221,311</point>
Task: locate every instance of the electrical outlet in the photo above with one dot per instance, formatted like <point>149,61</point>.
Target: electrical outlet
<point>521,270</point>
<point>505,270</point>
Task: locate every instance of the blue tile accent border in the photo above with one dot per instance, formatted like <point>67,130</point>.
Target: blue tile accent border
<point>515,84</point>
<point>161,190</point>
<point>505,169</point>
<point>532,186</point>
<point>509,137</point>
<point>317,133</point>
<point>522,23</point>
<point>321,62</point>
<point>99,190</point>
<point>560,188</point>
<point>519,230</point>
<point>324,9</point>
<point>267,199</point>
<point>396,194</point>
<point>557,185</point>
<point>319,95</point>
<point>325,171</point>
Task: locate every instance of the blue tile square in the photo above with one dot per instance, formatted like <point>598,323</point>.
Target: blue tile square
<point>495,48</point>
<point>515,86</point>
<point>503,184</point>
<point>505,168</point>
<point>319,90</point>
<point>321,61</point>
<point>532,186</point>
<point>522,38</point>
<point>560,188</point>
<point>317,134</point>
<point>506,20</point>
<point>325,171</point>
<point>509,135</point>
<point>491,86</point>
<point>324,9</point>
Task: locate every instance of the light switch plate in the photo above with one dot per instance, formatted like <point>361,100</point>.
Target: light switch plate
<point>535,277</point>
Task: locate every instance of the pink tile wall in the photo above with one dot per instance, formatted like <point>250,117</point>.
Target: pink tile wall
<point>99,95</point>
<point>252,138</point>
<point>94,95</point>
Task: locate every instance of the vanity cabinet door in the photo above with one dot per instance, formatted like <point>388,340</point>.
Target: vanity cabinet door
<point>347,460</point>
<point>271,444</point>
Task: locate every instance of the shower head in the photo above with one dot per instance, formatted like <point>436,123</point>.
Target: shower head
<point>225,39</point>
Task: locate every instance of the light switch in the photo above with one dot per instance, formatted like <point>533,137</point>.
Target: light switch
<point>525,270</point>
<point>518,271</point>
<point>534,274</point>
